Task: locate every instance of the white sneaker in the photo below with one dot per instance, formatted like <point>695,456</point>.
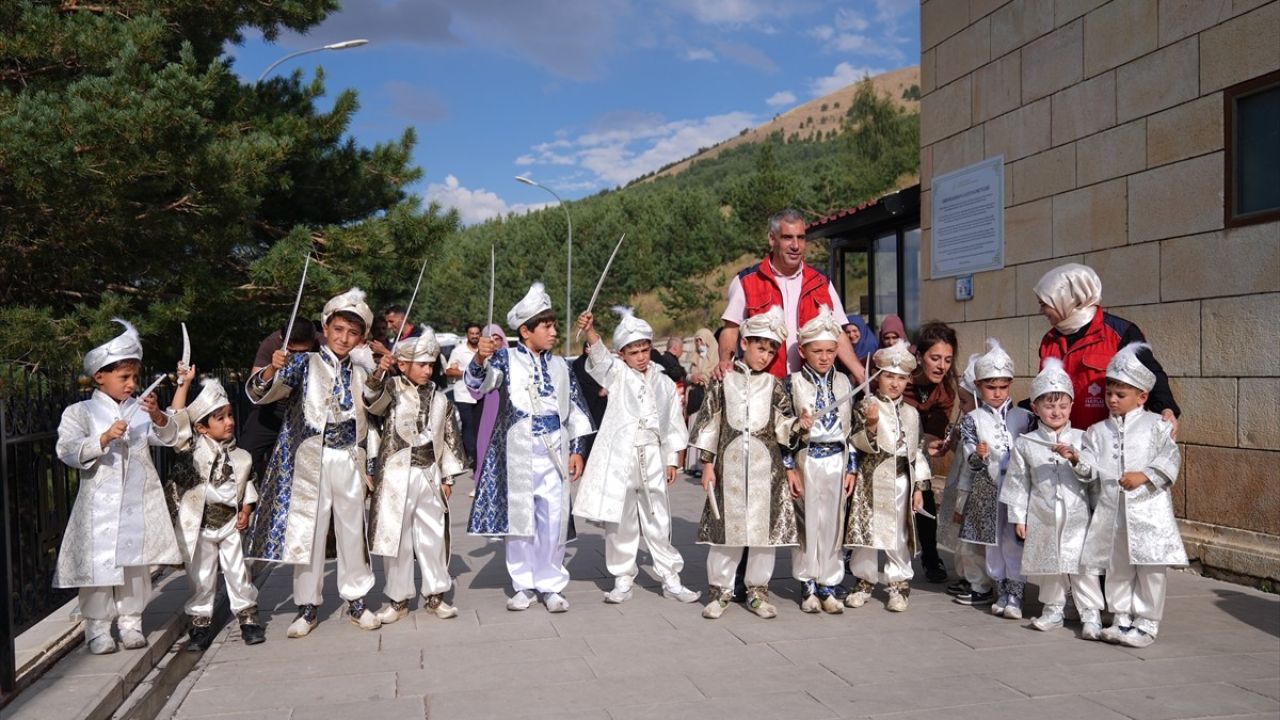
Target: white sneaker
<point>522,600</point>
<point>897,601</point>
<point>621,591</point>
<point>1013,611</point>
<point>306,621</point>
<point>1091,631</point>
<point>132,639</point>
<point>1050,619</point>
<point>679,593</point>
<point>1113,633</point>
<point>811,604</point>
<point>715,608</point>
<point>555,602</point>
<point>393,611</point>
<point>437,606</point>
<point>1002,602</point>
<point>857,598</point>
<point>758,603</point>
<point>832,605</point>
<point>361,616</point>
<point>1136,638</point>
<point>102,644</point>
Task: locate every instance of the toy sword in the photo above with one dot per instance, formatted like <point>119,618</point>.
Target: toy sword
<point>185,362</point>
<point>846,397</point>
<point>409,309</point>
<point>1047,443</point>
<point>600,283</point>
<point>288,333</point>
<point>134,408</point>
<point>492,277</point>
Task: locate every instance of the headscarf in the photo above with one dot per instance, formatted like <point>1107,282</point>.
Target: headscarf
<point>1074,291</point>
<point>892,323</point>
<point>703,364</point>
<point>867,343</point>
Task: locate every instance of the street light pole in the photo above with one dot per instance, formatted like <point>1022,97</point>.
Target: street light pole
<point>345,44</point>
<point>568,282</point>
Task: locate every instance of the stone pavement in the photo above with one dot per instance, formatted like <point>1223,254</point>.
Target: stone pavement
<point>1218,655</point>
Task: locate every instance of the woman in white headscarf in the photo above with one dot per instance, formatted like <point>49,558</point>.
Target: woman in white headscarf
<point>1085,337</point>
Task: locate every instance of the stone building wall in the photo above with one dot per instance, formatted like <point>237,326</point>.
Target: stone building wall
<point>1110,119</point>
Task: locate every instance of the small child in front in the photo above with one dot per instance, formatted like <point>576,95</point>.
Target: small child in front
<point>119,524</point>
<point>637,450</point>
<point>825,463</point>
<point>895,472</point>
<point>1049,505</point>
<point>1133,536</point>
<point>744,423</point>
<point>420,455</point>
<point>213,493</point>
<point>987,434</point>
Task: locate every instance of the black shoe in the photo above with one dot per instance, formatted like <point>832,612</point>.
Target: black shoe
<point>936,573</point>
<point>253,634</point>
<point>959,587</point>
<point>199,638</point>
<point>976,598</point>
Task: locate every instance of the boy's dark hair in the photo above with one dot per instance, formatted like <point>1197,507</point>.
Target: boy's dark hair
<point>351,318</point>
<point>304,331</point>
<point>543,318</point>
<point>1051,397</point>
<point>773,344</point>
<point>131,363</point>
<point>1124,385</point>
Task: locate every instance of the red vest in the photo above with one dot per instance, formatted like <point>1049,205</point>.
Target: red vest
<point>761,292</point>
<point>1086,365</point>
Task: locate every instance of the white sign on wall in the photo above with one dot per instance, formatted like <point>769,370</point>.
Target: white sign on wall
<point>968,220</point>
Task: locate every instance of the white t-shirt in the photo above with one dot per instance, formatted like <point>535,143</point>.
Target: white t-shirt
<point>735,311</point>
<point>461,355</point>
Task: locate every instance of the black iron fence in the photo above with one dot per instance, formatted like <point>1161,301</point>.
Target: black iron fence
<point>38,492</point>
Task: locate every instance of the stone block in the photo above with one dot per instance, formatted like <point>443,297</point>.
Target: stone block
<point>1028,232</point>
<point>1197,700</point>
<point>1064,11</point>
<point>964,52</point>
<point>997,87</point>
<point>959,150</point>
<point>1157,81</point>
<point>1259,407</point>
<point>1053,62</point>
<point>1014,334</point>
<point>938,301</point>
<point>1183,198</point>
<point>928,71</point>
<point>1112,153</point>
<point>940,19</point>
<point>1244,260</point>
<point>1182,18</point>
<point>971,338</point>
<point>1233,487</point>
<point>1242,48</point>
<point>926,167</point>
<point>1208,410</point>
<point>1048,173</point>
<point>1084,109</point>
<point>993,295</point>
<point>1190,129</point>
<point>946,111</point>
<point>1091,218</point>
<point>1118,32</point>
<point>1239,336</point>
<point>982,8</point>
<point>1020,133</point>
<point>1172,329</point>
<point>1130,274</point>
<point>1018,23</point>
<point>1030,273</point>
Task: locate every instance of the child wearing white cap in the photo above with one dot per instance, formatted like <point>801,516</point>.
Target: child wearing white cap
<point>966,560</point>
<point>889,437</point>
<point>119,525</point>
<point>1049,505</point>
<point>522,491</point>
<point>637,450</point>
<point>318,468</point>
<point>419,456</point>
<point>825,462</point>
<point>1133,536</point>
<point>212,490</point>
<point>987,434</point>
<point>744,423</point>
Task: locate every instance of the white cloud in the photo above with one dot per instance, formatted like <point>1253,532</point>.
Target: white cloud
<point>779,99</point>
<point>823,32</point>
<point>843,76</point>
<point>726,11</point>
<point>846,19</point>
<point>694,54</point>
<point>474,206</point>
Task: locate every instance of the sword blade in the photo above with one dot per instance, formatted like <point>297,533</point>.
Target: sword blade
<point>186,352</point>
<point>134,407</point>
<point>847,396</point>
<point>409,309</point>
<point>492,281</point>
<point>600,283</point>
<point>297,300</point>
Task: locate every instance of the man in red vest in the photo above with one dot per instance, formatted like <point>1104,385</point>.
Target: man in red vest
<point>783,279</point>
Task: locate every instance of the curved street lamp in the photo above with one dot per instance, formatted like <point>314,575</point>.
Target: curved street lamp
<point>568,283</point>
<point>345,44</point>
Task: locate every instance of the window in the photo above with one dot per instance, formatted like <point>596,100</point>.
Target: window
<point>1252,157</point>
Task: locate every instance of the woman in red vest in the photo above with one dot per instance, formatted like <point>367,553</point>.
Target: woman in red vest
<point>1085,337</point>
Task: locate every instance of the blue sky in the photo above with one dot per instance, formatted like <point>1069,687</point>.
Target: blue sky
<point>582,95</point>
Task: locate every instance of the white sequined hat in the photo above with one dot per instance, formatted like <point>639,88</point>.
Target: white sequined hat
<point>769,325</point>
<point>212,396</point>
<point>1128,369</point>
<point>630,329</point>
<point>421,348</point>
<point>994,363</point>
<point>897,358</point>
<point>125,346</point>
<point>824,326</point>
<point>1052,378</point>
<point>967,381</point>
<point>352,301</point>
<point>535,301</point>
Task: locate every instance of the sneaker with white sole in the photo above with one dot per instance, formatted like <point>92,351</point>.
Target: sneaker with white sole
<point>1050,619</point>
<point>555,602</point>
<point>436,605</point>
<point>132,639</point>
<point>860,595</point>
<point>1114,632</point>
<point>975,598</point>
<point>1013,611</point>
<point>679,593</point>
<point>1091,631</point>
<point>621,591</point>
<point>361,616</point>
<point>758,603</point>
<point>393,611</point>
<point>306,621</point>
<point>898,598</point>
<point>811,604</point>
<point>522,600</point>
<point>959,587</point>
<point>1136,638</point>
<point>97,634</point>
<point>831,604</point>
<point>1001,602</point>
<point>720,599</point>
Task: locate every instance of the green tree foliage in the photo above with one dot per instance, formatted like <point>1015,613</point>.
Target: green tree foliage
<point>139,177</point>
